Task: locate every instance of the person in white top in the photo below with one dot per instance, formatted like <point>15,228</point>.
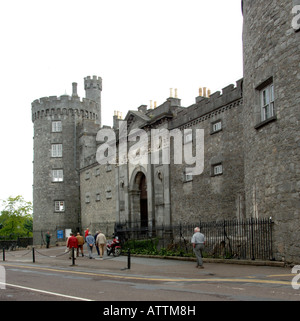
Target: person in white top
<point>198,242</point>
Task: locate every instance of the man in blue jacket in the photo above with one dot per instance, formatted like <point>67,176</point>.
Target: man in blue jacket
<point>90,241</point>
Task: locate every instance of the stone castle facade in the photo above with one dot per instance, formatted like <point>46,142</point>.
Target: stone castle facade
<point>251,148</point>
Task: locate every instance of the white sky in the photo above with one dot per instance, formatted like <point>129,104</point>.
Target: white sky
<point>140,48</point>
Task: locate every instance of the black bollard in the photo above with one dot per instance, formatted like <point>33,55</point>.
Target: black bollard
<point>128,259</point>
<point>73,256</point>
<point>33,255</point>
<point>3,254</point>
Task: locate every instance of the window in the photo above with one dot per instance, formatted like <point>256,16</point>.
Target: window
<point>56,126</point>
<point>188,177</point>
<point>87,175</point>
<point>98,197</point>
<point>217,169</point>
<point>57,175</point>
<point>108,193</point>
<point>97,172</point>
<point>56,150</point>
<point>267,102</point>
<point>87,197</point>
<point>216,126</point>
<point>59,206</point>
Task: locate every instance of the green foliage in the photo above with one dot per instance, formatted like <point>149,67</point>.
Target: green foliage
<point>149,247</point>
<point>16,218</point>
<point>142,246</point>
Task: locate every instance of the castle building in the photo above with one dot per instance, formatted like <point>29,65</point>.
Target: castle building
<point>59,146</point>
<point>251,148</point>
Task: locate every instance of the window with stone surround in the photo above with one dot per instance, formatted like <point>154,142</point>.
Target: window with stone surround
<point>56,150</point>
<point>267,102</point>
<point>57,175</point>
<point>56,126</point>
<point>98,198</point>
<point>59,206</point>
<point>217,169</point>
<point>188,177</point>
<point>216,126</point>
<point>108,193</point>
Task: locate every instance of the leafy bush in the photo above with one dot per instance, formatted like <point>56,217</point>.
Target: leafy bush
<point>149,247</point>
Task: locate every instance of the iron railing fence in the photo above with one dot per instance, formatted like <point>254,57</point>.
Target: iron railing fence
<point>12,243</point>
<point>241,239</point>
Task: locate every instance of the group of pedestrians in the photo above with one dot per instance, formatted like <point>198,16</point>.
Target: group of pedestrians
<point>98,240</point>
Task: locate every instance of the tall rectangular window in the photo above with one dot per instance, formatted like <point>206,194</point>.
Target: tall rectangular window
<point>56,150</point>
<point>57,175</point>
<point>59,206</point>
<point>56,126</point>
<point>267,102</point>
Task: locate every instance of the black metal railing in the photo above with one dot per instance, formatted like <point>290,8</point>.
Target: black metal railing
<point>241,239</point>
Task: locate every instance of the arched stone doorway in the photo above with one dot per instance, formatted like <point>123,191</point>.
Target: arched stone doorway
<point>143,202</point>
<point>139,200</point>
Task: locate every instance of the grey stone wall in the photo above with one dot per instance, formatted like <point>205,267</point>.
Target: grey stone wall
<point>98,198</point>
<point>272,154</point>
<point>208,196</point>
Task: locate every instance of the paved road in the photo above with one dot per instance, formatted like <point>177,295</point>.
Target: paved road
<point>53,278</point>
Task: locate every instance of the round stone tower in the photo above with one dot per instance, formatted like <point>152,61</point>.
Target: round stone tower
<point>93,88</point>
<point>56,195</point>
<point>271,120</point>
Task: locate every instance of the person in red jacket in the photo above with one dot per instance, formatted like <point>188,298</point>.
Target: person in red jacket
<point>72,242</point>
<point>86,233</point>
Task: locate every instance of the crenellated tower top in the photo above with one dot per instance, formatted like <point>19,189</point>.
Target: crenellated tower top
<point>93,88</point>
<point>89,107</point>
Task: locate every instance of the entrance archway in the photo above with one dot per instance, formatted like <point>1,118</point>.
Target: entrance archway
<point>139,200</point>
<point>143,202</point>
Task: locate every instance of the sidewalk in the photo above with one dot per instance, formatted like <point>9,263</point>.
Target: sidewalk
<point>148,267</point>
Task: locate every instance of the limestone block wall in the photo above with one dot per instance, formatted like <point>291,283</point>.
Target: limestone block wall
<point>272,153</point>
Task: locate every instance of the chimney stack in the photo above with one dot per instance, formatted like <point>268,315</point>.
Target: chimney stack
<point>74,89</point>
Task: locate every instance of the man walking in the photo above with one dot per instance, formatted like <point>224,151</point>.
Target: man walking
<point>101,242</point>
<point>90,241</point>
<point>72,242</point>
<point>80,244</point>
<point>198,241</point>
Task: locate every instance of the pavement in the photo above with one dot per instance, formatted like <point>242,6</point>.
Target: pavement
<point>54,277</point>
<point>145,266</point>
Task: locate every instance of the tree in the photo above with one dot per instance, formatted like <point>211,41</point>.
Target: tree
<point>16,217</point>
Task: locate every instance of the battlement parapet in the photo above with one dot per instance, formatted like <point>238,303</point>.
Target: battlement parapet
<point>93,82</point>
<point>64,105</point>
<point>52,99</point>
<point>207,105</point>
